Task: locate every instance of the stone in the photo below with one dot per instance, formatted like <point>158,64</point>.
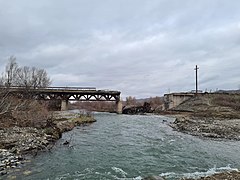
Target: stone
<point>153,178</point>
<point>27,172</point>
<point>12,177</point>
<point>3,172</point>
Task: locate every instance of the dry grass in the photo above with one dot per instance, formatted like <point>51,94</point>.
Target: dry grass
<point>227,100</point>
<point>22,113</point>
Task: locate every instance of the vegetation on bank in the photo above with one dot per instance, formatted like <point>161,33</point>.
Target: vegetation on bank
<point>26,125</point>
<point>15,111</point>
<point>99,106</point>
<point>227,100</point>
<point>212,105</point>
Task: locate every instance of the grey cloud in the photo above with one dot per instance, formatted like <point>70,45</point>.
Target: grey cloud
<point>142,48</point>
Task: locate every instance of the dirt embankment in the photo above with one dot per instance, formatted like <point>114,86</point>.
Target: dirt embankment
<point>210,115</point>
<point>16,142</point>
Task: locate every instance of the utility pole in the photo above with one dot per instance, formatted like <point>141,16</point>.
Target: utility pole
<point>196,69</point>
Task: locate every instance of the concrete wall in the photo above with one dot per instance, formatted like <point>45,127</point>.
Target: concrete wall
<point>174,99</point>
<point>64,105</point>
<point>119,107</point>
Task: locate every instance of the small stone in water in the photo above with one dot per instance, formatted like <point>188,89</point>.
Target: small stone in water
<point>27,172</point>
<point>12,177</point>
<point>3,172</point>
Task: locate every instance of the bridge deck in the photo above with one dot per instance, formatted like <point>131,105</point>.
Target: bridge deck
<point>67,93</point>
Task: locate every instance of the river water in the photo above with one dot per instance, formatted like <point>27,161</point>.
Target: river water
<point>132,147</point>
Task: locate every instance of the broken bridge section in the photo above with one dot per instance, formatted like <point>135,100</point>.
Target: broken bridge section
<point>66,94</point>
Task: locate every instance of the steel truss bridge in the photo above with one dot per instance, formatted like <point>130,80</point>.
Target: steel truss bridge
<point>66,94</point>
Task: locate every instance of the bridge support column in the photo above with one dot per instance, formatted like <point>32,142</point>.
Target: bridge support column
<point>64,105</point>
<point>119,107</point>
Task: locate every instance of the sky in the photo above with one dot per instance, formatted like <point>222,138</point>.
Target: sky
<point>142,48</point>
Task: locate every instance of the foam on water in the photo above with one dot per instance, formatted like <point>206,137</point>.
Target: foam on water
<point>197,174</point>
<point>120,171</point>
<point>138,178</point>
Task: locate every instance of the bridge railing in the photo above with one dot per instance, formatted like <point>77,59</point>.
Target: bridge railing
<point>59,89</point>
<point>71,88</point>
<point>50,88</point>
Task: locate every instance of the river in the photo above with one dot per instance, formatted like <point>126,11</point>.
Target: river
<point>132,147</point>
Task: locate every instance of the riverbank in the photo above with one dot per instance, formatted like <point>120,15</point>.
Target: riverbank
<point>208,127</point>
<point>232,175</point>
<point>16,143</point>
<point>209,115</point>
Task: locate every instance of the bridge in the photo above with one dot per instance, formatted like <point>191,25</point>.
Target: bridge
<point>66,94</point>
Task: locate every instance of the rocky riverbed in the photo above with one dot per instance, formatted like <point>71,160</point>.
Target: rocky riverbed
<point>208,127</point>
<point>16,143</point>
<point>232,175</point>
<point>9,161</point>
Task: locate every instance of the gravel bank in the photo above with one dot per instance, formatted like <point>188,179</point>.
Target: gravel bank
<point>208,127</point>
<point>16,143</point>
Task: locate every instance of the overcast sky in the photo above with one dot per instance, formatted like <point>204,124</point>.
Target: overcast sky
<point>140,47</point>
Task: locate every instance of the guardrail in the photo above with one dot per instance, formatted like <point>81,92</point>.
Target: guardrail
<point>50,88</point>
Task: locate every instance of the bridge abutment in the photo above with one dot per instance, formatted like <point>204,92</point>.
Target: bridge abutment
<point>119,107</point>
<point>64,105</point>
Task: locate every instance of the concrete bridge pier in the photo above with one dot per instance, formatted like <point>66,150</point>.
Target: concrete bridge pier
<point>64,105</point>
<point>119,107</point>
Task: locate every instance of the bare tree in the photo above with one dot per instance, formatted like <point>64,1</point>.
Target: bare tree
<point>22,112</point>
<point>9,76</point>
<point>131,100</point>
<point>24,76</point>
<point>2,80</point>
